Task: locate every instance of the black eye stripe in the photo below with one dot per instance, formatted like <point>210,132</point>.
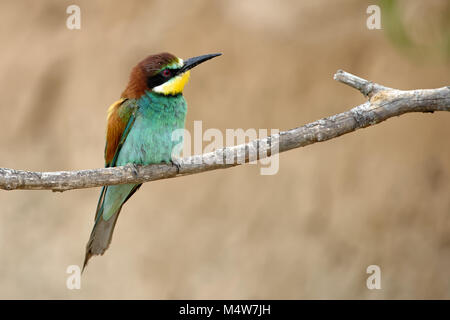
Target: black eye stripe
<point>155,80</point>
<point>159,79</point>
<point>173,72</point>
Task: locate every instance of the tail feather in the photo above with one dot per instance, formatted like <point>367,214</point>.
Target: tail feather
<point>101,235</point>
<point>100,238</point>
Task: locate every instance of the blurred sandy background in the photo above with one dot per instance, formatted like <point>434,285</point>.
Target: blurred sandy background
<point>378,196</point>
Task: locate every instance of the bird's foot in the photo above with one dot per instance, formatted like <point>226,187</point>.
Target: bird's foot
<point>177,164</point>
<point>134,168</point>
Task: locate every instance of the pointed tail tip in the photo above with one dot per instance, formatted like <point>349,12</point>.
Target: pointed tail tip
<point>86,260</point>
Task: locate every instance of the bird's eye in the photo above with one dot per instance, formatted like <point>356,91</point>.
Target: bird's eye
<point>166,73</point>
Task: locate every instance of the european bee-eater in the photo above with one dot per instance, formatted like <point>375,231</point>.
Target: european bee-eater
<point>139,131</point>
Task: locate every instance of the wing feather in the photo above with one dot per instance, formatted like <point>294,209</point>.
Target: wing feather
<point>120,120</point>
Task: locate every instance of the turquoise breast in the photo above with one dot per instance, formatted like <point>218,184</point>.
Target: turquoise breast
<point>150,138</point>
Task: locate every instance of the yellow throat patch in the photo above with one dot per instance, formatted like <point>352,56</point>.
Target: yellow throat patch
<point>174,86</point>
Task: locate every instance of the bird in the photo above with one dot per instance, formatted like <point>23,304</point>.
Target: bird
<point>139,132</point>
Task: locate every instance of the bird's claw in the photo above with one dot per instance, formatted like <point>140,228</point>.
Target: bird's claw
<point>134,169</point>
<point>177,164</point>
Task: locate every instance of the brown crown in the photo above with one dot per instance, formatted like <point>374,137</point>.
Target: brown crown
<point>144,69</point>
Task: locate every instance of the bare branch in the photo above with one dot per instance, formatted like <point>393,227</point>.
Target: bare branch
<point>383,103</point>
<point>367,88</point>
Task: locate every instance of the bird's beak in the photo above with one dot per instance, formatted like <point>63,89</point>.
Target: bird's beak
<point>192,62</point>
